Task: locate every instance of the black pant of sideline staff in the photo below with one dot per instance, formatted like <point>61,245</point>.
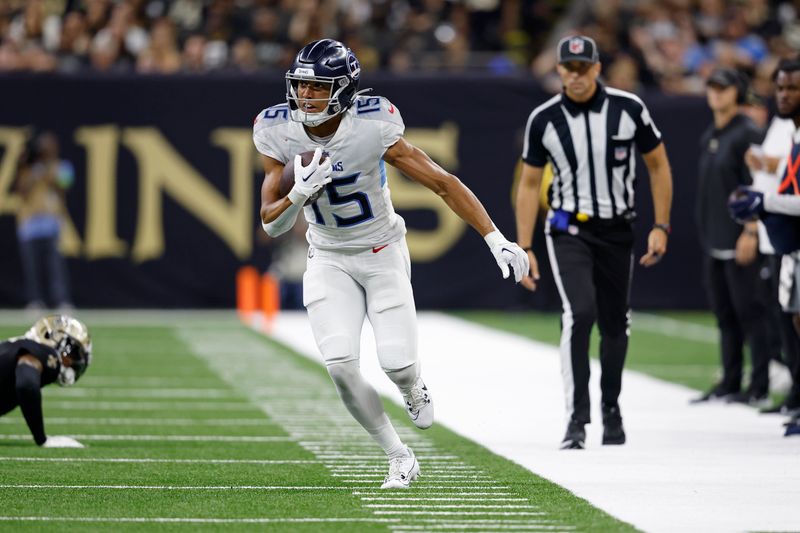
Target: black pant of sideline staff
<point>741,316</point>
<point>592,265</point>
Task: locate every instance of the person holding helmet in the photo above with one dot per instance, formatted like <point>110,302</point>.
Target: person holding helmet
<point>358,261</point>
<point>56,349</point>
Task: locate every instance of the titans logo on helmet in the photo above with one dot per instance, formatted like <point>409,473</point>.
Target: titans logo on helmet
<point>353,66</point>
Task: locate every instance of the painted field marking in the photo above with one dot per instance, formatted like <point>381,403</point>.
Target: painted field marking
<point>427,499</point>
<point>198,520</point>
<point>150,406</point>
<point>165,487</point>
<point>462,493</point>
<point>167,461</point>
<point>170,393</point>
<point>443,506</point>
<point>168,438</point>
<point>462,513</point>
<point>169,422</point>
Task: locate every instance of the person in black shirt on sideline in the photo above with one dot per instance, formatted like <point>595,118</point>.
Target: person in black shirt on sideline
<point>56,349</point>
<point>589,133</point>
<point>732,264</point>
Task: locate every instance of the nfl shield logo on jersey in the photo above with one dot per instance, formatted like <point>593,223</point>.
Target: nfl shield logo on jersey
<point>620,153</point>
<point>576,46</point>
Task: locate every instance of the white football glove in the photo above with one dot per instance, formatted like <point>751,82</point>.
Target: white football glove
<point>508,254</point>
<point>311,179</point>
<point>61,442</point>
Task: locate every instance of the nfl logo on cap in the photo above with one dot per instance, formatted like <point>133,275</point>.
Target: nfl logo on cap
<point>576,45</point>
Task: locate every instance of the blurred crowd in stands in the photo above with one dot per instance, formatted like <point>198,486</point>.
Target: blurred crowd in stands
<point>669,45</point>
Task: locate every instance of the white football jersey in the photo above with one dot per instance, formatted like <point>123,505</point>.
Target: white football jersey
<point>355,212</point>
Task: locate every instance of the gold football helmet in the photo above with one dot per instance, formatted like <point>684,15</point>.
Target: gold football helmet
<point>70,339</point>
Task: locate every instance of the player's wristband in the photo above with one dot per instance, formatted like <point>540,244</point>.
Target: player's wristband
<point>666,228</point>
<point>296,197</point>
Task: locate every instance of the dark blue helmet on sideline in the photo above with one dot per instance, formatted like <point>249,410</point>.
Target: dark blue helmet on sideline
<point>324,61</point>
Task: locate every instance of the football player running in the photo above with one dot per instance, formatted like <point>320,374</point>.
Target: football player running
<point>56,349</point>
<point>358,261</point>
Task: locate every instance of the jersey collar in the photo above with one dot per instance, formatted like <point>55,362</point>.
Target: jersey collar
<point>595,103</point>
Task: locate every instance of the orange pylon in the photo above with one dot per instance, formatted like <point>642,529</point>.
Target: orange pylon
<point>247,293</point>
<point>270,299</point>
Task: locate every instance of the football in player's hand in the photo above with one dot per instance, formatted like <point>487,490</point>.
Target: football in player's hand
<point>287,178</point>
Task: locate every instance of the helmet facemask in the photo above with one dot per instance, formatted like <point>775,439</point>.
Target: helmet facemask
<point>333,104</point>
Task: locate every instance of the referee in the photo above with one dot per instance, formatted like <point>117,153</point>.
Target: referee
<point>588,134</point>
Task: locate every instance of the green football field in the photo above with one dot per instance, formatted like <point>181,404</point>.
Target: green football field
<point>197,423</point>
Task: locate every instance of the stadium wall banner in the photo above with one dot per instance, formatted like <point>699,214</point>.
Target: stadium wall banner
<point>164,210</point>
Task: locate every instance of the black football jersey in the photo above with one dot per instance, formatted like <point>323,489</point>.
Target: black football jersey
<point>10,351</point>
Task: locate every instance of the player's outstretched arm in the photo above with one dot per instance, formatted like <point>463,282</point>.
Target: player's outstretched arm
<point>416,164</point>
<point>527,209</point>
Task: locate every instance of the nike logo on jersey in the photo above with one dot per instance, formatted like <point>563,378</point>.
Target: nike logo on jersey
<point>309,176</point>
<point>377,249</point>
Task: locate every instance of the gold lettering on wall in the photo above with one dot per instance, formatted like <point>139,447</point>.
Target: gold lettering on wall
<point>100,143</point>
<point>163,170</point>
<point>13,142</point>
<point>442,145</point>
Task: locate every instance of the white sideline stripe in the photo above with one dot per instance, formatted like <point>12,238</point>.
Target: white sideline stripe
<point>138,382</point>
<point>726,456</point>
<point>174,393</point>
<point>465,484</point>
<point>427,499</point>
<point>165,487</point>
<point>427,473</point>
<point>150,406</point>
<point>381,491</point>
<point>440,506</point>
<point>168,438</point>
<point>488,527</point>
<point>150,421</point>
<point>462,513</point>
<point>198,520</point>
<point>168,461</point>
<point>670,327</point>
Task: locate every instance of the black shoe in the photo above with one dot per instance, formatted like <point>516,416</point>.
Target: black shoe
<point>786,408</point>
<point>717,393</point>
<point>755,399</point>
<point>575,438</point>
<point>613,432</point>
<point>792,427</point>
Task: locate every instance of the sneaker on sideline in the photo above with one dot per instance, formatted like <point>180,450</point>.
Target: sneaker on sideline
<point>613,432</point>
<point>759,400</point>
<point>575,437</point>
<point>402,471</point>
<point>419,405</point>
<point>718,393</point>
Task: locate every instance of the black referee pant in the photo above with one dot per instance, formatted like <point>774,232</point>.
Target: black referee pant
<point>592,268</point>
<point>741,316</point>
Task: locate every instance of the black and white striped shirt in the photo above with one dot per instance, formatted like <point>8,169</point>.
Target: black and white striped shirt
<point>590,146</point>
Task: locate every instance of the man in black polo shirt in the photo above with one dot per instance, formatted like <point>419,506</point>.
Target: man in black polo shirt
<point>732,264</point>
<point>588,133</point>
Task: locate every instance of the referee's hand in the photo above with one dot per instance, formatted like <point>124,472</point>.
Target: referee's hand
<point>656,247</point>
<point>529,280</point>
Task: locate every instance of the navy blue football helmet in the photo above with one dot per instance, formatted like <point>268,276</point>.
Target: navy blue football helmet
<point>324,61</point>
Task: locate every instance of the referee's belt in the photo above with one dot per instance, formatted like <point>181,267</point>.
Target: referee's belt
<point>561,220</point>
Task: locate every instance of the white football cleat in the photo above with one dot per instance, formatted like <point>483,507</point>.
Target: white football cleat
<point>419,405</point>
<point>402,471</point>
